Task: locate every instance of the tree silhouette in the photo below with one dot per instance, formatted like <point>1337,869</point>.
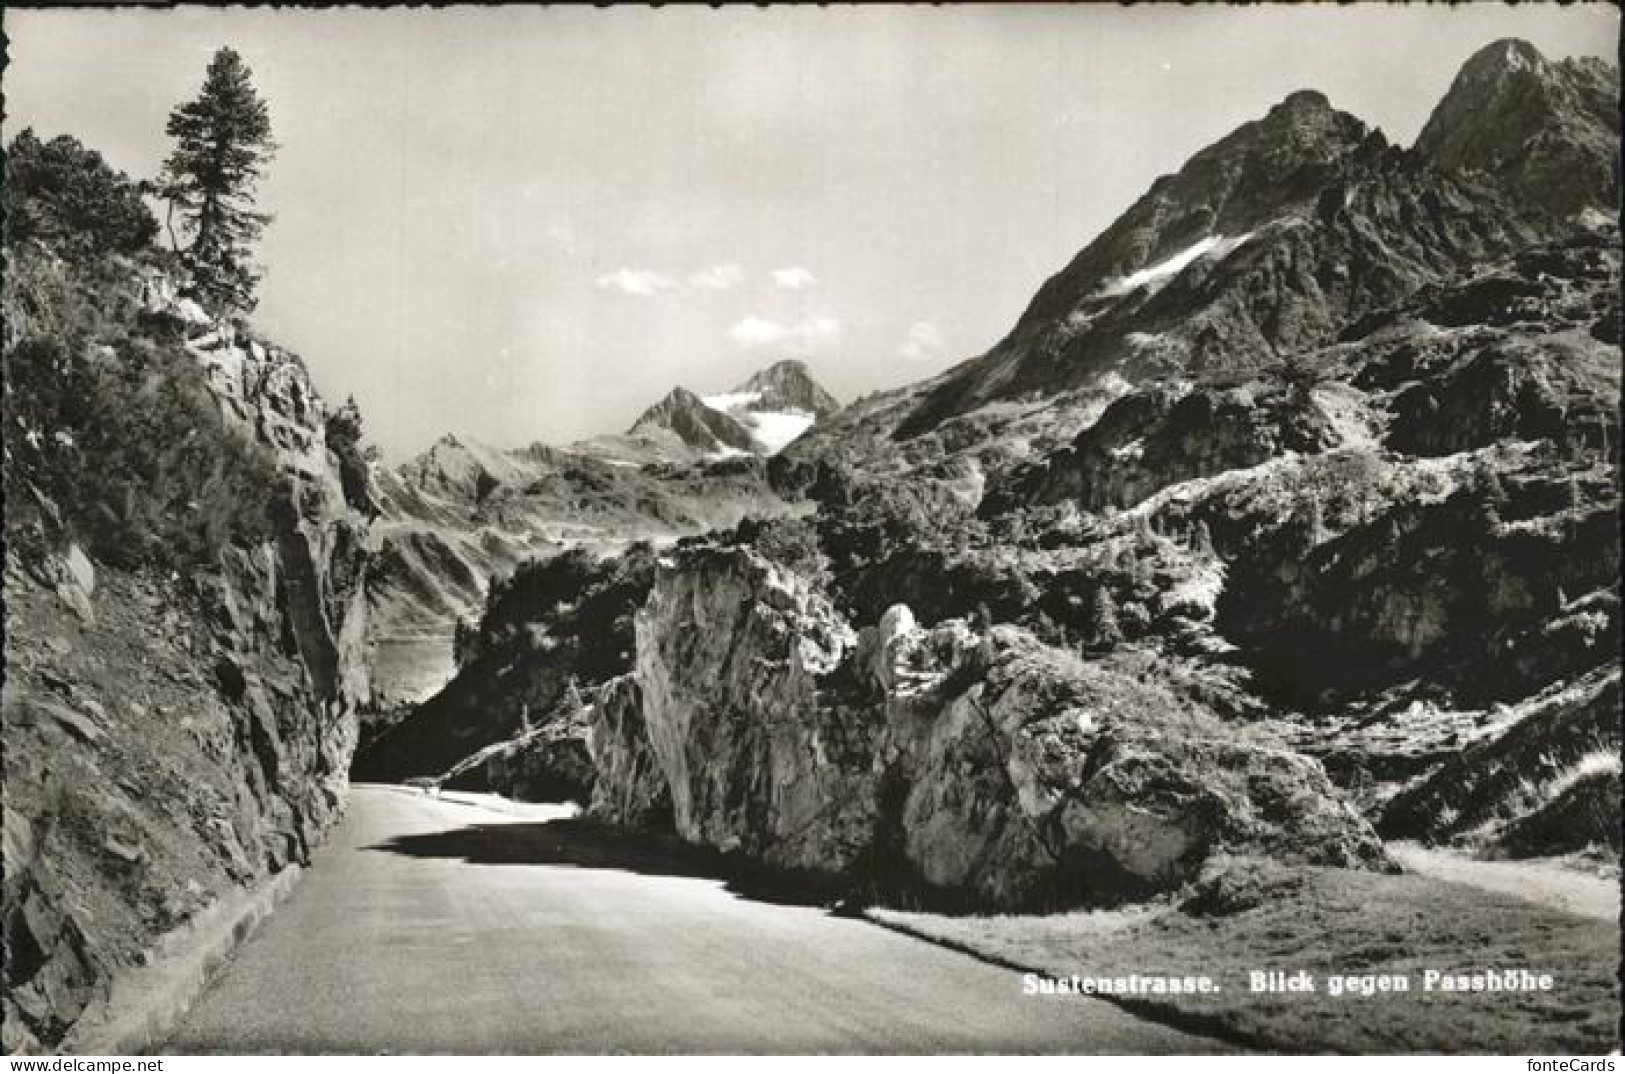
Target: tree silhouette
<point>222,144</point>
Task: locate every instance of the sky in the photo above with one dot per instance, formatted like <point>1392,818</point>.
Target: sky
<point>524,224</point>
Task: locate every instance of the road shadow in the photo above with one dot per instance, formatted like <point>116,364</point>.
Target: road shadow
<point>586,844</point>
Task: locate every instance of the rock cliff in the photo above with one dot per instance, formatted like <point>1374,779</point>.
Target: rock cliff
<point>186,624</point>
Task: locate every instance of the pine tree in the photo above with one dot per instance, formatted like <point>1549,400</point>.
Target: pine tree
<point>222,144</point>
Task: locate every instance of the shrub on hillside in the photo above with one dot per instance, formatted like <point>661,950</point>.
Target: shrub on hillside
<point>863,520</point>
<point>344,441</point>
<point>572,601</point>
<point>790,542</point>
<point>66,196</point>
<point>128,442</point>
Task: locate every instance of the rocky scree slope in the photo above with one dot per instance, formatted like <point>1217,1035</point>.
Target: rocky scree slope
<point>185,620</point>
<point>1248,545</point>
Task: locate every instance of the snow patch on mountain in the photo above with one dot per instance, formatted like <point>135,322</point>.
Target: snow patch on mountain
<point>1216,245</point>
<point>774,430</point>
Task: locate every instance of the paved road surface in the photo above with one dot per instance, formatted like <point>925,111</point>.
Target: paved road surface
<point>446,926</point>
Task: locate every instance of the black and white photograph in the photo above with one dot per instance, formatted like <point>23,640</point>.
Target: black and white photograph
<point>988,529</point>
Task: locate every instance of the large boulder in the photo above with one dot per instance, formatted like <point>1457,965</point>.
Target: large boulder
<point>986,766</point>
<point>730,653</point>
<point>1042,777</point>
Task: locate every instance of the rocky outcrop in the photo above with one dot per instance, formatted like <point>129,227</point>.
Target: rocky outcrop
<point>988,766</point>
<point>171,738</point>
<point>1162,436</point>
<point>729,653</point>
<point>631,788</point>
<point>1454,587</point>
<point>1547,131</point>
<point>1530,351</point>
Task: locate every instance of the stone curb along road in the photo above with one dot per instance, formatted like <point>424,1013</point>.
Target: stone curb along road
<point>146,1002</point>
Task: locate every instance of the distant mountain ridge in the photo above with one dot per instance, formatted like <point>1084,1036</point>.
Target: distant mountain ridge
<point>1267,241</point>
<point>463,512</point>
<point>1275,236</point>
<point>761,416</point>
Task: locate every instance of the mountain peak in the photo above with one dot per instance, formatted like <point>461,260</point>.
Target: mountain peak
<point>1304,102</point>
<point>1507,54</point>
<point>1547,132</point>
<point>680,397</point>
<point>783,367</point>
<point>1226,260</point>
<point>789,385</point>
<point>696,424</point>
<point>760,416</point>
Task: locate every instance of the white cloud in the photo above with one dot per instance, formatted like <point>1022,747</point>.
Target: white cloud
<point>759,332</point>
<point>924,342</point>
<point>756,331</point>
<point>793,278</point>
<point>635,281</point>
<point>723,277</point>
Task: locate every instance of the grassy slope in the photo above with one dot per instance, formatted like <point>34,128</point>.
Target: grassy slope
<point>1334,921</point>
